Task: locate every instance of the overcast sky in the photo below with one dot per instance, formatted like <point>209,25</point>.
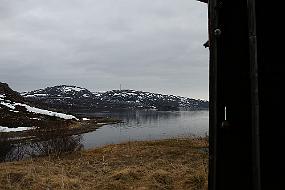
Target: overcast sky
<point>150,45</point>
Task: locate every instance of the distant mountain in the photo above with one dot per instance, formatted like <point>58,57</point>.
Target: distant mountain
<point>76,99</point>
<point>63,97</point>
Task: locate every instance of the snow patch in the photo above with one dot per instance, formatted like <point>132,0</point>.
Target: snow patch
<point>38,110</point>
<point>8,105</point>
<point>29,95</point>
<point>69,88</point>
<point>7,129</point>
<point>40,94</point>
<point>130,93</point>
<point>46,112</point>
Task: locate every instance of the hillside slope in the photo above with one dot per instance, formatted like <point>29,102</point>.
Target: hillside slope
<point>16,112</point>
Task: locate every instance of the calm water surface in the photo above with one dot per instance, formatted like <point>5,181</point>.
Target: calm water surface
<point>137,125</point>
<point>148,125</point>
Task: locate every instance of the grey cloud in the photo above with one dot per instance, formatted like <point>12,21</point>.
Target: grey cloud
<point>145,45</point>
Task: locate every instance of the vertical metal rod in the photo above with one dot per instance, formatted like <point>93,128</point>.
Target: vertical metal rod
<point>225,113</point>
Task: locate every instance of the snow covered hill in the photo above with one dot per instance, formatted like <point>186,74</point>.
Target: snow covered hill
<point>15,112</point>
<point>76,99</point>
<point>59,92</point>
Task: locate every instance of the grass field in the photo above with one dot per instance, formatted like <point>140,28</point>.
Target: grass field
<point>164,164</point>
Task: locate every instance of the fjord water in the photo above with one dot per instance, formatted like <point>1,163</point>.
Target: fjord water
<point>136,125</point>
<point>148,125</point>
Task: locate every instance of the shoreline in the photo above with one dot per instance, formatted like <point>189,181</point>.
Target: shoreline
<point>75,128</point>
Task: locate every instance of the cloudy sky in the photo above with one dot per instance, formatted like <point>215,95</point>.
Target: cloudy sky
<point>151,45</point>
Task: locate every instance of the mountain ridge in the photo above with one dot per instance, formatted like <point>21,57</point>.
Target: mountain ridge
<point>77,99</point>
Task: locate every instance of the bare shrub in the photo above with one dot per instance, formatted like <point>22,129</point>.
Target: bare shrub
<point>5,146</point>
<point>10,151</point>
<point>55,140</point>
<point>57,146</point>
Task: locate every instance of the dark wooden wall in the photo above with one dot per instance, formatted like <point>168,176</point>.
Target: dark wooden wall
<point>246,149</point>
<point>269,22</point>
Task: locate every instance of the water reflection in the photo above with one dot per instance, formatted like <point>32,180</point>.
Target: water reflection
<point>133,115</point>
<point>54,146</point>
<point>57,145</point>
<point>137,119</point>
<point>137,125</point>
<point>148,125</point>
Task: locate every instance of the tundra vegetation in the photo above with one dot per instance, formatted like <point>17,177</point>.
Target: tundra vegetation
<point>164,164</point>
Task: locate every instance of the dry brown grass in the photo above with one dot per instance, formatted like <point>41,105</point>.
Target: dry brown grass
<point>165,164</point>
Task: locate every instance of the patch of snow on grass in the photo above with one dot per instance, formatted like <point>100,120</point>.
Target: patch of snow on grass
<point>46,112</point>
<point>40,94</point>
<point>69,88</point>
<point>130,93</point>
<point>85,119</point>
<point>7,129</point>
<point>8,105</point>
<point>38,110</point>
